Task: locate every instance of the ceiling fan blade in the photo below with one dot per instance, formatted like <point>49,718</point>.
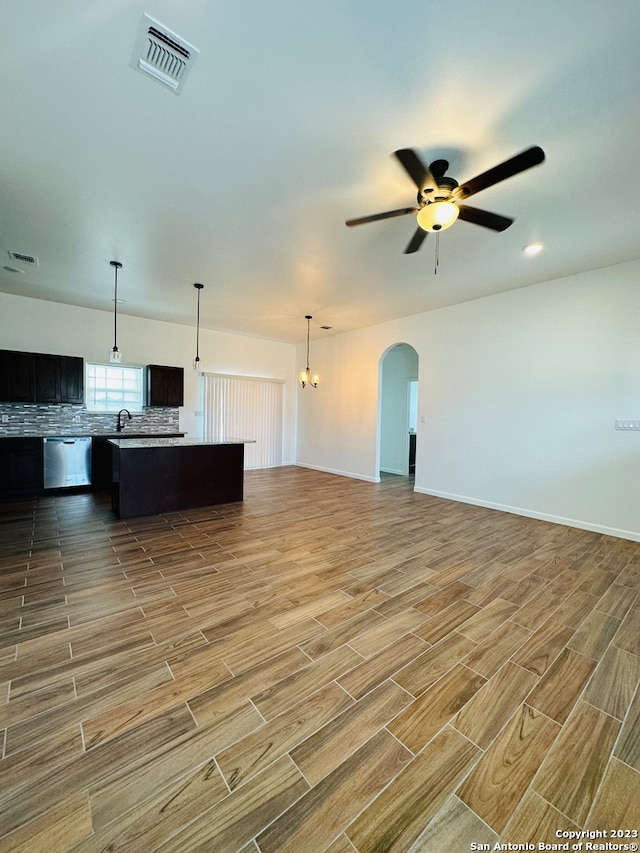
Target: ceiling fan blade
<point>525,160</point>
<point>416,241</point>
<point>484,217</point>
<point>416,169</point>
<point>376,216</point>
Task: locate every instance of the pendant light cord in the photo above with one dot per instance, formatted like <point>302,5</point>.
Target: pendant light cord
<point>198,328</point>
<point>115,313</point>
<point>116,266</point>
<point>196,361</point>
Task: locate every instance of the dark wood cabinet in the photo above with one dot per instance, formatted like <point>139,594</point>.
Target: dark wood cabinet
<point>153,479</point>
<point>165,385</point>
<point>100,462</point>
<point>101,455</point>
<point>71,379</point>
<point>27,377</point>
<point>21,468</point>
<point>47,378</point>
<point>59,379</point>
<point>17,377</point>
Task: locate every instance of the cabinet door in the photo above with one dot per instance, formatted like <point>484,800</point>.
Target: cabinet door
<point>175,386</point>
<point>165,385</point>
<point>47,378</point>
<point>17,377</point>
<point>100,462</point>
<point>71,379</point>
<point>156,385</point>
<point>21,472</point>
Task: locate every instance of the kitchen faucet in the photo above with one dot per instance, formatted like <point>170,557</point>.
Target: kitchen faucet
<point>120,426</point>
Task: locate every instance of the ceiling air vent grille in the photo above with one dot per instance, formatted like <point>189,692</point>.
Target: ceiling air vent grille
<point>162,55</point>
<point>22,258</point>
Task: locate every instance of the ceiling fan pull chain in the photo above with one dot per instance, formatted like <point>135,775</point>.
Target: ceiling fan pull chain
<point>437,258</point>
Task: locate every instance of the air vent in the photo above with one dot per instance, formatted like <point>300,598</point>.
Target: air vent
<point>162,55</point>
<point>22,258</point>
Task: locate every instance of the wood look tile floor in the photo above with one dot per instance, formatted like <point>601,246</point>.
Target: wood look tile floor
<point>330,665</point>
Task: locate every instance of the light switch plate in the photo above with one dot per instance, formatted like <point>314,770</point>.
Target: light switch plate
<point>627,424</point>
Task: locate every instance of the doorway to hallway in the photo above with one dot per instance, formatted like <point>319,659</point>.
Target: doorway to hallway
<point>398,410</point>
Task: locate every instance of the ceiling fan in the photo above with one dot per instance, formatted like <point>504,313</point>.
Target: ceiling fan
<point>439,196</point>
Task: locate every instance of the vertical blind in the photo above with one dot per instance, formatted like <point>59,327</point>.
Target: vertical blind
<point>245,407</point>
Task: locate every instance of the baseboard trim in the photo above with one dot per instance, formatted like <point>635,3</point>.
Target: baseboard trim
<point>339,473</point>
<point>634,536</point>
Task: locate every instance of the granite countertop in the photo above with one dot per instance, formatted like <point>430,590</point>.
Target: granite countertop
<point>112,434</point>
<point>136,443</point>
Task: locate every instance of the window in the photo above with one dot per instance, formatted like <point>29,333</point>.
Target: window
<point>110,387</point>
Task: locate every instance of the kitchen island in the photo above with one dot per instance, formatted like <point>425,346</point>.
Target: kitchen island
<point>155,475</point>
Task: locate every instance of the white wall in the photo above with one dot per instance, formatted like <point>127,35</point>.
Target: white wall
<point>519,393</point>
<point>35,325</point>
<point>337,420</point>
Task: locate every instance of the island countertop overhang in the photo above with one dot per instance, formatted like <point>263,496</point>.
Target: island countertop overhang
<point>138,443</point>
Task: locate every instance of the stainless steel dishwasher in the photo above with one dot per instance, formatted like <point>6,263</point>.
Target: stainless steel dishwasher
<point>67,462</point>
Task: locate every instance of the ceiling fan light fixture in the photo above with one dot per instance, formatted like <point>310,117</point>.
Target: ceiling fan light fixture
<point>437,215</point>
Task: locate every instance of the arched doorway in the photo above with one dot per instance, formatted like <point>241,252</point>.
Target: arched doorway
<point>398,410</point>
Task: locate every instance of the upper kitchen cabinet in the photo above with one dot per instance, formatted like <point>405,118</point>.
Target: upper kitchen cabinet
<point>17,377</point>
<point>47,378</point>
<point>27,377</point>
<point>59,379</point>
<point>71,379</point>
<point>165,385</point>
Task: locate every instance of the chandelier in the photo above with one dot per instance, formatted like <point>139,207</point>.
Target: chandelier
<point>306,377</point>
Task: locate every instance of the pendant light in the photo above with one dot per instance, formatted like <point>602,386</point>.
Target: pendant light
<point>115,356</point>
<point>196,360</point>
<point>306,377</point>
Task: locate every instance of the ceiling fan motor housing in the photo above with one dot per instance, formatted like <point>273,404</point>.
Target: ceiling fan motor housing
<point>445,187</point>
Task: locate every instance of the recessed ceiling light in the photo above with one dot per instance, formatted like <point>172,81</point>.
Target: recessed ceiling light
<point>532,249</point>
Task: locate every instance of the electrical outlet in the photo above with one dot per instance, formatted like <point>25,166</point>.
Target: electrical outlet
<point>626,424</point>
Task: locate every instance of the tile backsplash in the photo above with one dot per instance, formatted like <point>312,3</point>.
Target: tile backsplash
<point>56,419</point>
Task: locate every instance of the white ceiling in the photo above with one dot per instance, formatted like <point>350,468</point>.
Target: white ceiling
<point>285,129</point>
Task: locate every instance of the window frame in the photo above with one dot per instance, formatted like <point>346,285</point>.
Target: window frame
<point>131,398</point>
